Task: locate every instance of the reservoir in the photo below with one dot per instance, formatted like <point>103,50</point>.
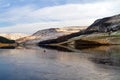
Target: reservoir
<point>37,63</point>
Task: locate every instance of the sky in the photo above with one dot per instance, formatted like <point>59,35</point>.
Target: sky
<point>29,16</point>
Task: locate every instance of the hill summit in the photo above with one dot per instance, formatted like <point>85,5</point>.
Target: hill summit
<point>106,24</point>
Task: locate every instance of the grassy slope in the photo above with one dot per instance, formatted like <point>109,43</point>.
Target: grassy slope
<point>102,38</point>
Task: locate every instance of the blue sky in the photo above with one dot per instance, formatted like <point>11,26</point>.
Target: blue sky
<point>28,16</point>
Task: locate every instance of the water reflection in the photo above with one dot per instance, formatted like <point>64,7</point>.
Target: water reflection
<point>32,63</point>
<point>107,55</point>
<point>8,47</point>
<point>59,48</point>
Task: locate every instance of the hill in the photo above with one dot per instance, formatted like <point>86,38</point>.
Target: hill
<point>5,40</point>
<point>13,36</point>
<point>47,34</point>
<point>106,24</point>
<point>102,31</point>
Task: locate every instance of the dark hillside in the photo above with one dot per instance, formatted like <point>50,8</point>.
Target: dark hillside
<point>5,40</point>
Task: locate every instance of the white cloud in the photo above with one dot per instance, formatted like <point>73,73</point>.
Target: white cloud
<point>33,27</point>
<point>27,17</point>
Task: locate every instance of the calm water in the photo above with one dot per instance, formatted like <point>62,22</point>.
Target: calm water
<point>99,63</point>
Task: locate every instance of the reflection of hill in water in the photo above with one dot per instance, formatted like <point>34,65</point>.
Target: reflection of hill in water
<point>59,48</point>
<point>67,65</point>
<point>7,47</point>
<point>107,55</point>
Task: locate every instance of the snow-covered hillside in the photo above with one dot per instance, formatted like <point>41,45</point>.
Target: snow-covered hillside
<point>48,34</point>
